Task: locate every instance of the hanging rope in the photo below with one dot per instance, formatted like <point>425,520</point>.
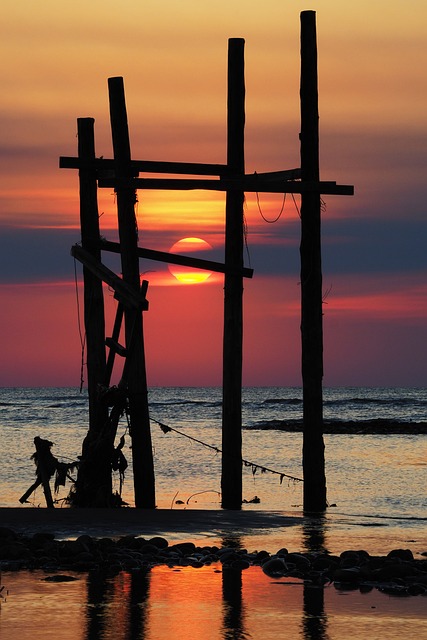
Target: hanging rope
<point>246,231</point>
<point>296,206</point>
<point>278,215</point>
<point>322,205</point>
<point>255,467</point>
<point>79,323</point>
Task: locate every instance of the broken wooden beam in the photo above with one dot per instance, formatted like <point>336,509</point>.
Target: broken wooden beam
<point>122,291</point>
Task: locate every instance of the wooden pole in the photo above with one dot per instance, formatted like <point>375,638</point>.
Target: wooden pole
<point>142,453</point>
<point>231,478</point>
<point>311,277</point>
<point>94,483</point>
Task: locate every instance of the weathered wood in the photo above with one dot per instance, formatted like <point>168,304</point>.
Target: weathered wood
<point>142,453</point>
<point>231,472</point>
<point>94,483</point>
<point>147,166</point>
<point>116,347</point>
<point>122,290</point>
<point>311,277</point>
<point>286,174</point>
<point>115,337</point>
<point>174,258</point>
<point>248,184</point>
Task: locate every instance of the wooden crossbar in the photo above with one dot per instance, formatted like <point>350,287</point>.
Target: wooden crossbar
<point>247,184</point>
<point>174,258</point>
<point>147,166</point>
<point>122,291</point>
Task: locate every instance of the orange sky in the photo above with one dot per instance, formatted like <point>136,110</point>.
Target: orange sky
<point>373,105</point>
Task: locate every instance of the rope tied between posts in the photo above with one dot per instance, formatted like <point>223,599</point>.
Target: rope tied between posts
<point>247,463</point>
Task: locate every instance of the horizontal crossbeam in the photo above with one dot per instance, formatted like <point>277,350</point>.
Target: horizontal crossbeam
<point>123,292</point>
<point>174,258</point>
<point>254,184</point>
<point>106,167</point>
<point>146,166</point>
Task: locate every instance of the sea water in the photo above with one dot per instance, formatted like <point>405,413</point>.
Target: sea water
<point>367,475</point>
<point>377,483</point>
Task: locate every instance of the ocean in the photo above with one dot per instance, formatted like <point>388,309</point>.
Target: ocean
<point>376,477</point>
<point>381,474</point>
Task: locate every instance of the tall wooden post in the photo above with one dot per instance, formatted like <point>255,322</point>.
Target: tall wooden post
<point>94,483</point>
<point>142,453</point>
<point>231,478</point>
<point>311,276</point>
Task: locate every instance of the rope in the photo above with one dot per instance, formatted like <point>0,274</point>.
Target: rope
<point>278,215</point>
<point>79,324</point>
<point>246,231</point>
<point>296,206</point>
<point>255,467</point>
<point>322,205</point>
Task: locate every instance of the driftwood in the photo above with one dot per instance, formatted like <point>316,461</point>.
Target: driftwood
<point>46,466</point>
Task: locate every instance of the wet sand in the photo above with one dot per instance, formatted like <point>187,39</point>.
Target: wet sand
<point>144,522</point>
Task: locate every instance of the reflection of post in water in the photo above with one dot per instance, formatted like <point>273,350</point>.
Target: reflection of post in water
<point>314,620</point>
<point>99,596</point>
<point>139,597</point>
<point>232,597</point>
<point>117,604</point>
<point>233,609</point>
<point>314,530</point>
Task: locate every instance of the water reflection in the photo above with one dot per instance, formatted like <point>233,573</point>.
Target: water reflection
<point>198,604</point>
<point>99,593</point>
<point>232,595</point>
<point>138,606</point>
<point>233,608</point>
<point>314,620</point>
<point>314,529</point>
<point>117,606</point>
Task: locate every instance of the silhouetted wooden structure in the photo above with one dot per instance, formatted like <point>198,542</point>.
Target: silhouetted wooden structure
<point>122,173</point>
<point>311,276</point>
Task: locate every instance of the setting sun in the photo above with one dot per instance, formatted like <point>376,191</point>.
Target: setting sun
<point>193,247</point>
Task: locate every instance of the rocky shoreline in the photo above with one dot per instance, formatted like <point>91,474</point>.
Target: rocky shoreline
<point>397,573</point>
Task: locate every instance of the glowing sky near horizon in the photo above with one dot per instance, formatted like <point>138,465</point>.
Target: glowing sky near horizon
<point>56,59</point>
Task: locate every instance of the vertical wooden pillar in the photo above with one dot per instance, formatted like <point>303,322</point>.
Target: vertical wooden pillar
<point>231,478</point>
<point>142,453</point>
<point>93,293</point>
<point>311,276</point>
<point>94,483</point>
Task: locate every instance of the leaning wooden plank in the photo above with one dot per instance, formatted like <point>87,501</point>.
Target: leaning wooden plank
<point>174,258</point>
<point>123,292</point>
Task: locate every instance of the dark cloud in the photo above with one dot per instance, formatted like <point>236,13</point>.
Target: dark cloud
<point>365,246</point>
<point>355,246</point>
<point>34,255</point>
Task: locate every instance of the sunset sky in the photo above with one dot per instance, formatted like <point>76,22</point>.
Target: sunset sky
<point>56,58</point>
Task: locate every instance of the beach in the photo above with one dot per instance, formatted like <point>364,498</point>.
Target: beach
<point>230,594</point>
<point>376,491</point>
